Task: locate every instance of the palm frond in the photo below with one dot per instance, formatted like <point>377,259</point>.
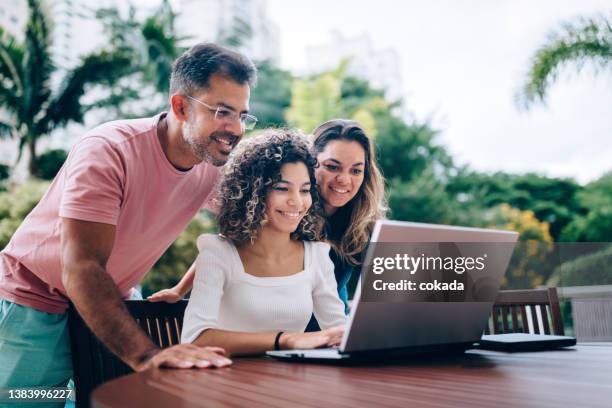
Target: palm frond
<point>7,130</point>
<point>101,68</point>
<point>587,39</point>
<point>9,99</point>
<point>22,142</point>
<point>11,63</point>
<point>37,63</point>
<point>162,50</point>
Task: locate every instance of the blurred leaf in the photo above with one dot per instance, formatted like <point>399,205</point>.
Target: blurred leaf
<point>15,204</point>
<point>50,162</point>
<point>169,269</point>
<point>575,43</point>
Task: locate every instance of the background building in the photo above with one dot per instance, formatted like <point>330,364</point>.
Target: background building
<point>13,15</point>
<point>242,23</point>
<point>381,67</point>
<point>75,30</point>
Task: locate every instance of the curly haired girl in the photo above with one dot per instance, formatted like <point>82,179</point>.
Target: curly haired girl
<point>259,281</point>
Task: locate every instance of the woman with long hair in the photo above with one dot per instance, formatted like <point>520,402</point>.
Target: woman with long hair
<point>259,281</point>
<point>352,190</point>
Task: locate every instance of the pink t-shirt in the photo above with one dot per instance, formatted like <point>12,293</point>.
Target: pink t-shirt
<point>116,174</point>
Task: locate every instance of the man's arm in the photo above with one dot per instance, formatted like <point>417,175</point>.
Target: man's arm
<point>85,249</point>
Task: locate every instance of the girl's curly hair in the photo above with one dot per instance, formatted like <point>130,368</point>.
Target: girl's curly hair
<point>253,167</point>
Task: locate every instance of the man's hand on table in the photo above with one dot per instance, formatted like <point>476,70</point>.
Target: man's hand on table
<point>185,356</point>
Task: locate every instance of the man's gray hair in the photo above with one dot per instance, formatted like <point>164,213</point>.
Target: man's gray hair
<point>192,70</point>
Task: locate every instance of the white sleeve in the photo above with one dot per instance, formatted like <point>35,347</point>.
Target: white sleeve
<point>212,274</point>
<point>327,306</point>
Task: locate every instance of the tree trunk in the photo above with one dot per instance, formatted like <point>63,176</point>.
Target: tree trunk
<point>33,165</point>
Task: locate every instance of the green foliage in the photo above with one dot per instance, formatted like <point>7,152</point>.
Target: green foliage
<point>552,200</point>
<point>5,171</point>
<point>272,95</point>
<point>423,199</point>
<point>524,222</point>
<point>405,152</point>
<point>579,41</point>
<point>595,224</point>
<point>15,204</point>
<point>333,94</point>
<point>169,269</point>
<point>313,101</point>
<point>33,109</point>
<point>151,46</point>
<point>162,47</point>
<point>592,269</point>
<point>416,168</point>
<point>50,162</point>
<point>487,189</point>
<point>356,91</point>
<point>104,68</point>
<point>533,255</point>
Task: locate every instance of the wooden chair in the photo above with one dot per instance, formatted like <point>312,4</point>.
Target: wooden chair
<point>526,311</point>
<point>94,364</point>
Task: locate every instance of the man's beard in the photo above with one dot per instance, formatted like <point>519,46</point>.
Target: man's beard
<point>200,147</point>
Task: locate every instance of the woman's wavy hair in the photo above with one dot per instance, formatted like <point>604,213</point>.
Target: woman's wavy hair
<point>369,204</point>
<point>253,167</point>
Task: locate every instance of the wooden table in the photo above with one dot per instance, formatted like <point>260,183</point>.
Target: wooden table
<point>577,377</point>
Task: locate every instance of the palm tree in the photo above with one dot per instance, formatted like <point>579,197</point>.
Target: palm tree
<point>32,109</point>
<point>153,46</point>
<point>577,42</point>
<point>162,46</point>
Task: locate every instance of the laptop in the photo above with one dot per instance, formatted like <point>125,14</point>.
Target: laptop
<point>400,322</point>
<point>518,342</point>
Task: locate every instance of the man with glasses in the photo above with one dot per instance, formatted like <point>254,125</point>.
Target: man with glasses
<point>126,191</point>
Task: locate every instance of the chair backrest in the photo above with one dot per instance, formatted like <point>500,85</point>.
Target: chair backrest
<point>535,311</point>
<point>94,364</point>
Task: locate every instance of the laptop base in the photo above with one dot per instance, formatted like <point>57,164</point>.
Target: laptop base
<point>516,342</point>
<point>335,356</point>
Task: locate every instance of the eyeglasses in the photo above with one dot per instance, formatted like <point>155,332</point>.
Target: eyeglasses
<point>228,116</point>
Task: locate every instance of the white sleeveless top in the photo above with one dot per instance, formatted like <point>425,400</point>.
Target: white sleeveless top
<point>225,297</point>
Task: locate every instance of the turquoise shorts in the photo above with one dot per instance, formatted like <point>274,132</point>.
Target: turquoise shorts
<point>34,351</point>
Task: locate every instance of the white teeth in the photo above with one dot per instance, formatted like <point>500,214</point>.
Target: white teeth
<point>339,191</point>
<point>290,214</point>
<point>225,142</point>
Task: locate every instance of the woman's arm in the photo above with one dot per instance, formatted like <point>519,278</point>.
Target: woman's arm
<point>329,310</point>
<point>178,292</point>
<point>243,344</point>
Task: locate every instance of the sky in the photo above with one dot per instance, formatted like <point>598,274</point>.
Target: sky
<point>461,65</point>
